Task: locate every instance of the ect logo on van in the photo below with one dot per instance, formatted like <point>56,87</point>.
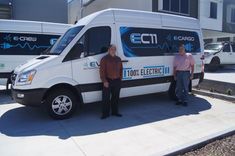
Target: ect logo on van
<point>25,38</point>
<point>143,38</point>
<point>183,38</point>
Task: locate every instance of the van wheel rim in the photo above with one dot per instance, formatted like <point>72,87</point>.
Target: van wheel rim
<point>61,105</point>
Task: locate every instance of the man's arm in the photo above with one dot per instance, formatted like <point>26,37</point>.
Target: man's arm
<point>103,71</point>
<point>121,69</point>
<point>192,71</point>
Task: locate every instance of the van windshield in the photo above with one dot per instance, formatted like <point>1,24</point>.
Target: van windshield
<point>63,42</point>
<point>214,47</point>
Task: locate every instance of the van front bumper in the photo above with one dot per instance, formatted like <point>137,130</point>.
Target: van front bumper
<point>32,97</point>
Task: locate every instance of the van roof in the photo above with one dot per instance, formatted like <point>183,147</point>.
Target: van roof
<point>32,26</point>
<point>126,16</point>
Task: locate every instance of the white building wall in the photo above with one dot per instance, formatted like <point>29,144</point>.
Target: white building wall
<point>73,11</point>
<point>204,15</point>
<point>97,5</point>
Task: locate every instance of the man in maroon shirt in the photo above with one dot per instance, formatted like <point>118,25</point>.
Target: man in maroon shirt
<point>111,75</point>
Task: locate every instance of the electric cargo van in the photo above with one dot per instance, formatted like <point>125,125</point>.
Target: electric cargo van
<point>23,40</point>
<point>68,75</point>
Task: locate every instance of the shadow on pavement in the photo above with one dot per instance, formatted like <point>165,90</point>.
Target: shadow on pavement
<point>5,98</point>
<point>24,121</point>
<point>224,69</point>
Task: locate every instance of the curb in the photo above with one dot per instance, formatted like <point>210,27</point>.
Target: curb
<point>199,143</point>
<point>218,86</point>
<point>215,95</point>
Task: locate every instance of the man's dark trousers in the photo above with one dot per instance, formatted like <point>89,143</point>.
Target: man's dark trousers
<point>111,97</point>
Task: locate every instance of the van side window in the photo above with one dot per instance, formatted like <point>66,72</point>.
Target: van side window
<point>97,40</point>
<point>25,44</point>
<point>226,48</point>
<point>143,42</point>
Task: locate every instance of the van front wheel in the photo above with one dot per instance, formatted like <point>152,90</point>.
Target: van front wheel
<point>61,104</point>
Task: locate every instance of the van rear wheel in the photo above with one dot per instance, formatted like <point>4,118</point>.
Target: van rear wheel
<point>61,103</point>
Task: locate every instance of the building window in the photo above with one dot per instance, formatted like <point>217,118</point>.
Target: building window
<point>208,41</point>
<point>176,6</point>
<point>233,15</point>
<point>213,10</point>
<point>5,12</point>
<point>223,39</point>
<point>230,14</point>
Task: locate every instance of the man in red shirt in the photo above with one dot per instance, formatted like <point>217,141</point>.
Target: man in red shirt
<point>111,75</point>
<point>183,72</point>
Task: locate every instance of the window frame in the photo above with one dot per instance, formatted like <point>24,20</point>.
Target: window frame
<point>87,43</point>
<point>231,21</point>
<point>171,45</point>
<point>26,48</point>
<point>210,15</point>
<point>161,4</point>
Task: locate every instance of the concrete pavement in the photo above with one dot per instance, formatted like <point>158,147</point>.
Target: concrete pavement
<point>151,125</point>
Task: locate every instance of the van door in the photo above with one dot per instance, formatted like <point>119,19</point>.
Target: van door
<point>227,55</point>
<point>95,42</point>
<point>144,67</point>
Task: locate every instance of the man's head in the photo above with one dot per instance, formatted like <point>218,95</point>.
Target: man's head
<point>181,49</point>
<point>112,50</point>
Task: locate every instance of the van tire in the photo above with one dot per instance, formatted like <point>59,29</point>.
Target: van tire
<point>214,64</point>
<point>61,103</point>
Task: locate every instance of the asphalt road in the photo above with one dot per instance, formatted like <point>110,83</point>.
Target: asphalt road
<point>151,125</point>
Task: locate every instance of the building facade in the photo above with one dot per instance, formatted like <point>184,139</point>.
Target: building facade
<point>35,10</point>
<point>216,16</point>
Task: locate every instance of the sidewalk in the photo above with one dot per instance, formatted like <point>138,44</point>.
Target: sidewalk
<point>151,125</point>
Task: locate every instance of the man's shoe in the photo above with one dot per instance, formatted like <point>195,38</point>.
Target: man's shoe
<point>178,103</point>
<point>117,114</point>
<point>104,117</point>
<point>185,104</point>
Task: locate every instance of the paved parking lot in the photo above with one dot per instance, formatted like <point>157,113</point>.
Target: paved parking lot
<point>225,74</point>
<point>151,125</point>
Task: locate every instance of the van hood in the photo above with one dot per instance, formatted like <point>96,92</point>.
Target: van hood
<point>31,64</point>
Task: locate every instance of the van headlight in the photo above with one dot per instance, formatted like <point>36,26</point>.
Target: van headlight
<point>26,78</point>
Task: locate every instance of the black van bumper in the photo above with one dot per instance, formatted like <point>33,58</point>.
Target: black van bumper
<point>32,97</point>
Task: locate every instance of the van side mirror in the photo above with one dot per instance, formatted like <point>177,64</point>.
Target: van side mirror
<point>75,52</point>
<point>82,55</point>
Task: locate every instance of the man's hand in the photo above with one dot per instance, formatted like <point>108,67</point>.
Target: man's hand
<point>191,77</point>
<point>106,84</point>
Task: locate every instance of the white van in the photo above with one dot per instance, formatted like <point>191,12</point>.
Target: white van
<point>24,40</point>
<point>69,74</point>
<point>219,54</point>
